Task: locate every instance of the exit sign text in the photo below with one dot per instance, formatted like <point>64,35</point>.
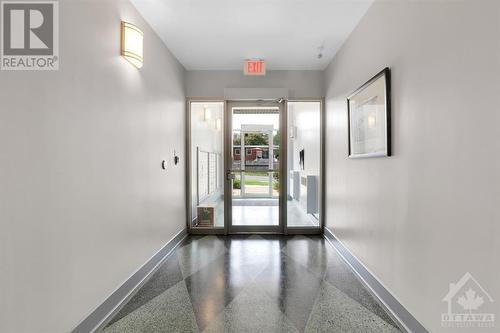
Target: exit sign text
<point>255,67</point>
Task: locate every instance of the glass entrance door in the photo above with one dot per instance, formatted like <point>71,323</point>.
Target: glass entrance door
<point>254,182</point>
<point>255,158</point>
<point>255,167</point>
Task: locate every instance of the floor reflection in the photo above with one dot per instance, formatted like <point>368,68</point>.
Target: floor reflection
<point>253,283</point>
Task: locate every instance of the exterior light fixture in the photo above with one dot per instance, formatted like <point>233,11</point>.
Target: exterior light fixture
<point>207,113</point>
<point>372,121</point>
<point>132,44</point>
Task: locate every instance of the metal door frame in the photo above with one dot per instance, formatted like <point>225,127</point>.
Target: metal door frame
<point>232,229</point>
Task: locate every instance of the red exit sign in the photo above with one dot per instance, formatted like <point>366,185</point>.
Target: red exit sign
<point>255,67</point>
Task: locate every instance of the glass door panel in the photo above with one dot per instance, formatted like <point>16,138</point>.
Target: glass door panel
<point>206,138</point>
<point>254,174</point>
<point>304,165</point>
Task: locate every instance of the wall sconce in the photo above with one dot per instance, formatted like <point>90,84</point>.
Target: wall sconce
<point>207,113</point>
<point>132,44</point>
<point>372,121</point>
<point>218,124</point>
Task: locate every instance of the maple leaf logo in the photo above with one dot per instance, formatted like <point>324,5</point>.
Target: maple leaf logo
<point>470,301</point>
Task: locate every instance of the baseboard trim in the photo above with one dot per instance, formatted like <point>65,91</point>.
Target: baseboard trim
<point>386,299</point>
<point>104,312</point>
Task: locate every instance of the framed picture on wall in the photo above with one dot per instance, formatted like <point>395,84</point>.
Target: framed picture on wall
<point>369,118</point>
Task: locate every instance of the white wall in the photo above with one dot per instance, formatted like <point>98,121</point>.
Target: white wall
<point>420,219</point>
<point>212,83</point>
<point>83,200</point>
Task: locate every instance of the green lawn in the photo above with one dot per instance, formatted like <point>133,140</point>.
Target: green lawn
<point>254,173</point>
<point>256,182</point>
<point>253,182</point>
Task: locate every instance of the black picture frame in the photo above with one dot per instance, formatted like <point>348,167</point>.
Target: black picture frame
<point>386,74</point>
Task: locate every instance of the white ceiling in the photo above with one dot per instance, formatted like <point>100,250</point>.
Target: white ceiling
<point>220,34</point>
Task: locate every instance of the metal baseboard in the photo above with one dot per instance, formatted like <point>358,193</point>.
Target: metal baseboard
<point>397,311</point>
<point>104,312</point>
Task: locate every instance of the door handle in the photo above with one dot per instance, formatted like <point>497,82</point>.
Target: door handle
<point>230,175</point>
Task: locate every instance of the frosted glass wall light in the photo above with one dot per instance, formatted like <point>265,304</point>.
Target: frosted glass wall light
<point>132,44</point>
<point>207,113</point>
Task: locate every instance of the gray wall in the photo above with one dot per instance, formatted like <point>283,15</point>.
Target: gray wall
<point>420,219</point>
<point>213,83</point>
<point>83,201</point>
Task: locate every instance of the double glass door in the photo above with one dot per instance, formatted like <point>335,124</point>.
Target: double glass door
<point>255,166</point>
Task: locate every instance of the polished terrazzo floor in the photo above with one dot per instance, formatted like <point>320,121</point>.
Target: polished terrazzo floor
<point>253,283</point>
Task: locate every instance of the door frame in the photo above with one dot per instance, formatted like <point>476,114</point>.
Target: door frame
<point>228,211</point>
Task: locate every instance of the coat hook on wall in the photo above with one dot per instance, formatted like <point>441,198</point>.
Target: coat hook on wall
<point>176,158</point>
